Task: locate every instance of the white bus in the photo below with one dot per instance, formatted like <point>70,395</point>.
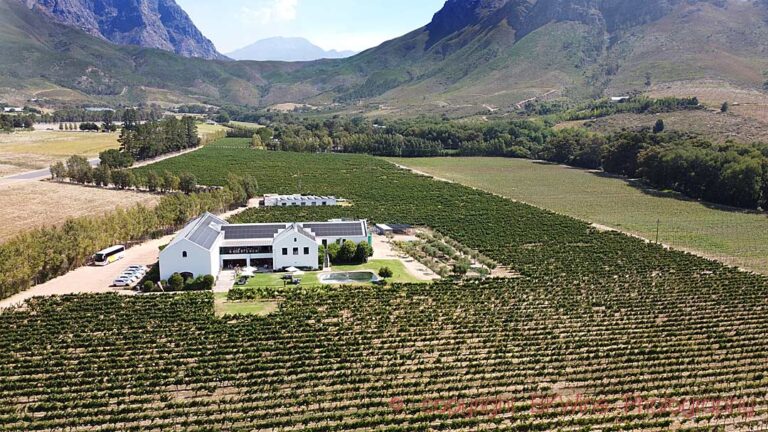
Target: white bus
<point>108,256</point>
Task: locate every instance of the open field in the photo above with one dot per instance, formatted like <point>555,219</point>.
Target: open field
<point>597,319</point>
<point>31,205</point>
<point>728,235</point>
<point>712,125</point>
<point>27,151</point>
<point>246,124</point>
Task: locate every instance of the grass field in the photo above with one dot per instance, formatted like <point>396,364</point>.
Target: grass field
<point>25,151</point>
<point>259,308</point>
<point>733,236</point>
<point>31,205</point>
<point>246,124</point>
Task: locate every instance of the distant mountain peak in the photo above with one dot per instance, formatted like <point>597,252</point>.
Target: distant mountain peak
<point>286,49</point>
<point>160,24</point>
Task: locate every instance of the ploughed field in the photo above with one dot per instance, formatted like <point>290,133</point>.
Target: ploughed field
<point>602,331</point>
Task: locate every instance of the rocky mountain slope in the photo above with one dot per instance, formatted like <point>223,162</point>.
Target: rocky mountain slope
<point>475,55</point>
<point>160,24</point>
<point>286,49</point>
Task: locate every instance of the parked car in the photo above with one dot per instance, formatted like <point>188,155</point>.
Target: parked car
<point>122,282</point>
<point>133,277</point>
<point>140,268</point>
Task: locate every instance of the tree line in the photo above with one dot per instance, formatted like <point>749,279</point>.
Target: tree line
<point>9,122</point>
<point>156,137</point>
<point>732,174</point>
<point>78,170</point>
<point>40,255</point>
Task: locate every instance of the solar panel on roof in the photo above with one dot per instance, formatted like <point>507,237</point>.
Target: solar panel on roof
<point>244,232</point>
<point>336,229</point>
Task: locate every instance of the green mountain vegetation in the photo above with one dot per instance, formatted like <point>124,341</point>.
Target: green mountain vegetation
<point>474,56</point>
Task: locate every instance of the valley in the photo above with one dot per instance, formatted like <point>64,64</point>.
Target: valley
<point>520,215</point>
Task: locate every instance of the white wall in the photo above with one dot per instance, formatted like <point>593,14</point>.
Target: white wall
<point>199,261</point>
<point>290,240</point>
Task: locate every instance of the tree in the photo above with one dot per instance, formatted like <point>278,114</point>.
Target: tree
<point>170,182</point>
<point>725,107</point>
<point>347,252</point>
<point>385,273</point>
<point>176,282</point>
<point>123,179</point>
<point>130,119</point>
<point>148,286</point>
<point>187,183</point>
<point>102,175</point>
<point>250,185</point>
<point>333,251</point>
<point>462,267</point>
<point>154,182</point>
<point>116,159</point>
<point>235,185</point>
<point>659,126</point>
<point>79,169</point>
<point>256,142</point>
<point>363,252</point>
<point>58,171</point>
<point>222,117</point>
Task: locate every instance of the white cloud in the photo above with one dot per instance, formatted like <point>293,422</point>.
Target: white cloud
<point>272,11</point>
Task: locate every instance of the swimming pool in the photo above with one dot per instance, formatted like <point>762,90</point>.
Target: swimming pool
<point>348,277</point>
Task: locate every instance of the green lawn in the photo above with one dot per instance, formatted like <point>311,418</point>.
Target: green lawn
<point>734,236</point>
<point>399,271</point>
<point>400,274</point>
<point>258,307</point>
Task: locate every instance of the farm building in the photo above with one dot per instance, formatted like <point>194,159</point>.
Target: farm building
<point>299,200</point>
<point>209,244</point>
<point>383,229</point>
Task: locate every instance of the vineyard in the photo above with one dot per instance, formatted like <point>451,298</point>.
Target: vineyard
<point>601,332</point>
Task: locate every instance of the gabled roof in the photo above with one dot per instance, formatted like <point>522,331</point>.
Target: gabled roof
<point>202,231</point>
<point>296,229</point>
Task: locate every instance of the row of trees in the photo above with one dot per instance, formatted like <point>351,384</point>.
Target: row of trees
<point>154,138</point>
<point>731,174</point>
<point>78,170</point>
<point>40,255</point>
<point>9,122</point>
<point>347,253</point>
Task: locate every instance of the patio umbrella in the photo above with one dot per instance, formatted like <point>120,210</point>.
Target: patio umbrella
<point>248,272</point>
<point>292,270</point>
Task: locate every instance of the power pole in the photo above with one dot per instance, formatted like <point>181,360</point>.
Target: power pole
<point>658,228</point>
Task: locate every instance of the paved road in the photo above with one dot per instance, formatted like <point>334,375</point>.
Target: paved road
<point>40,174</point>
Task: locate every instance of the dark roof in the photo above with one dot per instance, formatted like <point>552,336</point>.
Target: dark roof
<point>246,232</point>
<point>336,229</point>
<point>202,231</point>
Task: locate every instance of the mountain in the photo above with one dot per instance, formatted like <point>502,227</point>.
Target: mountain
<point>473,55</point>
<point>286,49</point>
<point>160,24</point>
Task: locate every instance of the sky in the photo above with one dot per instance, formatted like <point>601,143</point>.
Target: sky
<point>332,24</point>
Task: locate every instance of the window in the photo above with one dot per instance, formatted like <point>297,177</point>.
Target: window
<point>325,203</point>
<point>285,251</point>
<point>295,251</point>
<point>184,254</point>
<point>306,251</point>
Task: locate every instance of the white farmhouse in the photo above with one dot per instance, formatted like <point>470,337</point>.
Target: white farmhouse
<point>299,200</point>
<point>209,244</point>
